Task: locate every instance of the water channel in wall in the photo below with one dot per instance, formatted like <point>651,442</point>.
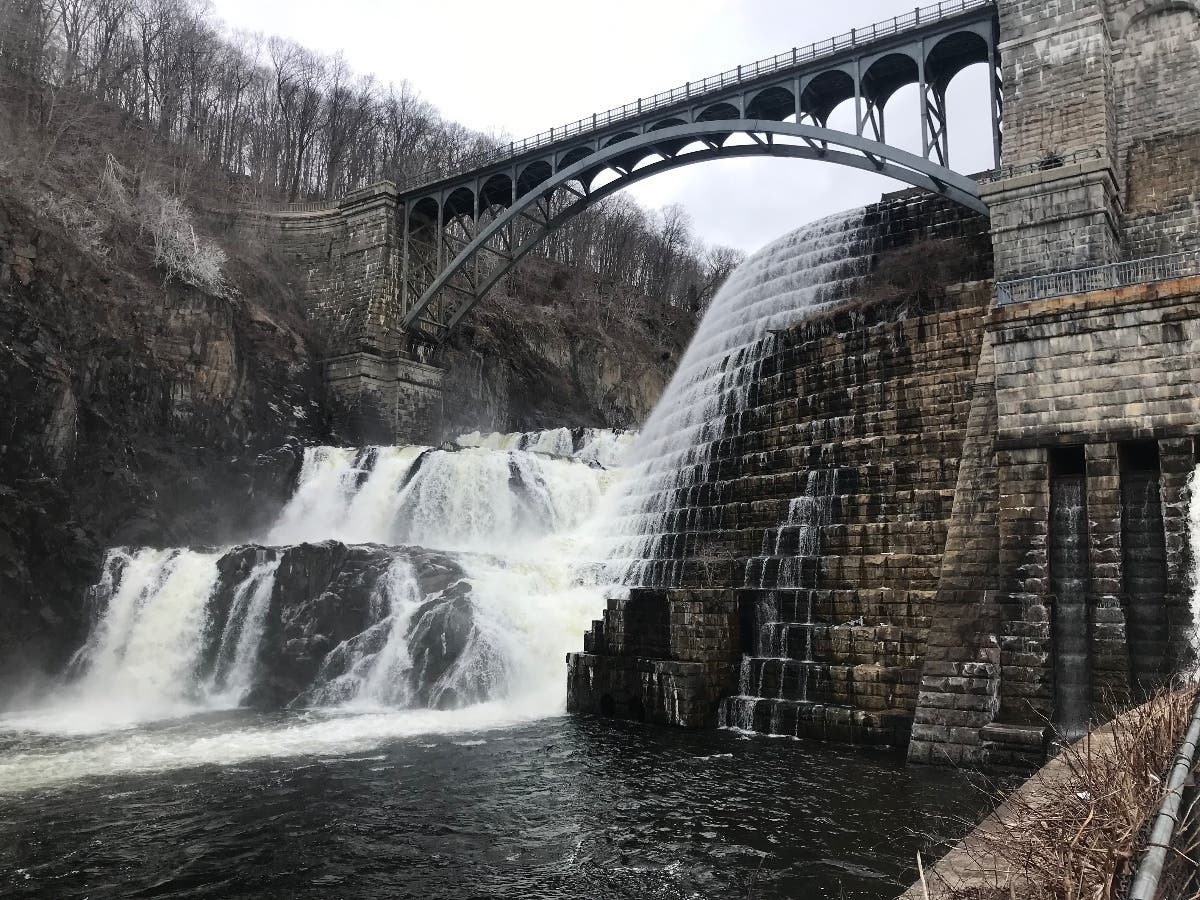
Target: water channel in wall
<point>367,699</point>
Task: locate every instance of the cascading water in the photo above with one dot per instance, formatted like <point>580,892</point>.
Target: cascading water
<point>395,580</point>
<point>237,654</point>
<point>1194,546</point>
<point>780,669</point>
<point>798,276</point>
<point>1068,580</point>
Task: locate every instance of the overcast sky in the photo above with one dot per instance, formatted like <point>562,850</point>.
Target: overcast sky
<point>521,66</point>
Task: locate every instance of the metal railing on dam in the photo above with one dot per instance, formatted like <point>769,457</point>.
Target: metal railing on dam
<point>1169,823</point>
<point>1099,278</point>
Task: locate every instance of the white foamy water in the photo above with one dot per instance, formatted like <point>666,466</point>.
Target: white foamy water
<point>143,651</point>
<point>803,273</point>
<point>476,499</point>
<point>1194,540</point>
<point>595,445</point>
<point>198,742</point>
<point>542,524</point>
<point>237,654</point>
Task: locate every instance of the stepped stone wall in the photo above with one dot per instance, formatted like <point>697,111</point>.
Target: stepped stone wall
<point>878,395</point>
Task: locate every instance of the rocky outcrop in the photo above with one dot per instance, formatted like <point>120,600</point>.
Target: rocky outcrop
<point>548,354</point>
<point>135,413</point>
<point>329,611</point>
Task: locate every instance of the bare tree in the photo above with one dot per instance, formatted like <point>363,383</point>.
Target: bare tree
<point>279,120</point>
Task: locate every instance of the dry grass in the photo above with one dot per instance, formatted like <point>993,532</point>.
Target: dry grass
<point>1073,831</point>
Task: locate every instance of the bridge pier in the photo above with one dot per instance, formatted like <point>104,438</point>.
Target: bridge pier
<point>379,390</point>
<point>1057,204</point>
<point>384,400</point>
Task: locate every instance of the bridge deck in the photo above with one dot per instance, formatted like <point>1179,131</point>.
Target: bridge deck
<point>819,55</point>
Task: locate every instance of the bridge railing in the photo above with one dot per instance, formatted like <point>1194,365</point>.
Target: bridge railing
<point>1046,163</point>
<point>1098,278</point>
<point>748,72</point>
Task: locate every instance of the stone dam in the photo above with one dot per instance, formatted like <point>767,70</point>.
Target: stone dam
<point>919,519</point>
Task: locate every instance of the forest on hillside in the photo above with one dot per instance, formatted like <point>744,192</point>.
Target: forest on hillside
<point>253,119</point>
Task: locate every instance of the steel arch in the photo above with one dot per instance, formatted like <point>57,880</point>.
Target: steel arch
<point>867,154</point>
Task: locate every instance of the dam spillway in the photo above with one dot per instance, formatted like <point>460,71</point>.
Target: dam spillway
<point>788,554</point>
<point>873,538</point>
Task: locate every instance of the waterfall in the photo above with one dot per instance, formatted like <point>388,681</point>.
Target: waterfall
<point>409,578</point>
<point>393,578</point>
<point>147,647</point>
<point>780,677</point>
<point>799,275</point>
<point>1194,545</point>
<point>371,668</point>
<point>237,654</point>
<point>1069,583</point>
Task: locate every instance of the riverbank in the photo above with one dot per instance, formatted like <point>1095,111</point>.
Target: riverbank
<point>1074,828</point>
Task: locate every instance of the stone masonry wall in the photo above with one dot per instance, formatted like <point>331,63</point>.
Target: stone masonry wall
<point>1056,59</point>
<point>1156,75</point>
<point>349,257</point>
<point>1114,374</point>
<point>1162,194</point>
<point>1101,95</point>
<point>878,394</point>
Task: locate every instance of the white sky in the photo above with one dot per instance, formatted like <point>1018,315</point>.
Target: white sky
<point>521,66</point>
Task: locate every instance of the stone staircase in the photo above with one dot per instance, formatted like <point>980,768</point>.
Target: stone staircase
<point>800,678</point>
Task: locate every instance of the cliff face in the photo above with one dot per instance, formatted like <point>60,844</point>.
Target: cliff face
<point>547,354</point>
<point>133,413</point>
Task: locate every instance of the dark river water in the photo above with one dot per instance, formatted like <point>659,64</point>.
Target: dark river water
<point>560,808</point>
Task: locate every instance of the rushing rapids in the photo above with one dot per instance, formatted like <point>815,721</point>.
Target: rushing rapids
<point>395,578</point>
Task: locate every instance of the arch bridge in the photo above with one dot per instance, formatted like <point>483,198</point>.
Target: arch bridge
<point>460,234</point>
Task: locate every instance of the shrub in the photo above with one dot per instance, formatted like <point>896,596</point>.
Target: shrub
<point>178,251</point>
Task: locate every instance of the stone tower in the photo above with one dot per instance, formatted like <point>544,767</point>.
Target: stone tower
<point>1100,133</point>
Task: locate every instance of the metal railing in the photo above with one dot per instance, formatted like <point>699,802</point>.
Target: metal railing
<point>744,73</point>
<point>1165,827</point>
<point>1099,278</point>
<point>1045,164</point>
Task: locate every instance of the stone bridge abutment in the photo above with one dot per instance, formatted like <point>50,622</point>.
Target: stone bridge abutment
<point>382,388</point>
